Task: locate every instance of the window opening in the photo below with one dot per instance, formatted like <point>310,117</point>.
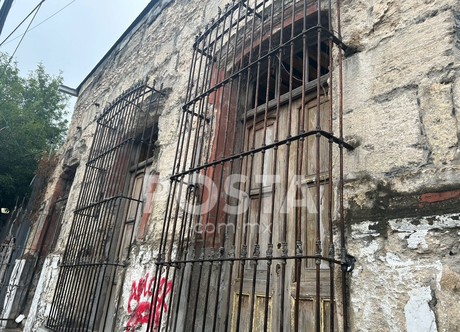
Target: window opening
<point>28,245</point>
<point>147,142</point>
<point>109,204</point>
<point>250,232</point>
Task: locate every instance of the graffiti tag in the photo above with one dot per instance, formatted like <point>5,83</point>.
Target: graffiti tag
<point>140,302</point>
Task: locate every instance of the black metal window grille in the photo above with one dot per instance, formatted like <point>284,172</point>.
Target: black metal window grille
<point>108,205</point>
<point>25,246</point>
<point>255,210</point>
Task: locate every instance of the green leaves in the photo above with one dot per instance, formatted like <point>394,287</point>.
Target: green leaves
<point>32,125</point>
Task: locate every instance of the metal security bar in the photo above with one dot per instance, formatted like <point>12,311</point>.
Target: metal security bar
<point>26,245</point>
<point>255,210</point>
<point>101,232</point>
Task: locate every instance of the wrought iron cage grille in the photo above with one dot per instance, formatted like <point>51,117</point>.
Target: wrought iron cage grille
<point>100,236</point>
<point>255,210</point>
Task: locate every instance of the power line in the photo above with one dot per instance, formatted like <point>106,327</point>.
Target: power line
<point>38,24</point>
<point>17,27</point>
<point>20,41</point>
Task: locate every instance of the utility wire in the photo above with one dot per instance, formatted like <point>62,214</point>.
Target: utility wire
<point>38,24</point>
<point>17,27</point>
<point>20,41</point>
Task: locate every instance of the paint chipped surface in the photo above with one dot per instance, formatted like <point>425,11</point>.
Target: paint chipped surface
<point>419,316</point>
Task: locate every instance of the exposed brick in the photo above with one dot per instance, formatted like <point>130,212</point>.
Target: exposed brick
<point>440,197</point>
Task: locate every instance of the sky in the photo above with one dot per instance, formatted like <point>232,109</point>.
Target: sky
<point>74,40</point>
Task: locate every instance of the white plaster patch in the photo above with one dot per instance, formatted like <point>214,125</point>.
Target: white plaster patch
<point>48,309</point>
<point>394,261</point>
<point>363,229</point>
<point>41,303</point>
<point>417,239</point>
<point>419,317</point>
<point>369,251</point>
<point>12,289</point>
<point>403,235</point>
<point>418,228</point>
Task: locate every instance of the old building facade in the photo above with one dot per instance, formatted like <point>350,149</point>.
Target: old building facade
<point>281,165</point>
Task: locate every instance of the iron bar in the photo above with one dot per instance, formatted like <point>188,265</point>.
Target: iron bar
<point>284,188</point>
<point>288,140</point>
<point>105,200</point>
<point>269,251</point>
<point>244,235</point>
<point>214,70</point>
<point>239,259</point>
<point>203,150</point>
<point>318,174</point>
<point>256,249</point>
<point>232,237</point>
<point>222,240</point>
<point>298,170</point>
<point>254,12</point>
<point>254,63</point>
<point>208,216</point>
<point>216,23</point>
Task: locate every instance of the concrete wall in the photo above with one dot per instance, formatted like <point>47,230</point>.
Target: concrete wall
<point>402,106</point>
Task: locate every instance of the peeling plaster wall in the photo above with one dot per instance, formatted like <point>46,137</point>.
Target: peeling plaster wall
<point>402,107</point>
<point>406,277</point>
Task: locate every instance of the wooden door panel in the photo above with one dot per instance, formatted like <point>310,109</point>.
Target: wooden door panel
<point>307,321</point>
<point>259,313</point>
<point>263,199</point>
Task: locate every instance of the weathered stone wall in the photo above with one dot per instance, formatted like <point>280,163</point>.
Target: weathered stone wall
<point>402,106</point>
<point>158,49</point>
<point>403,180</point>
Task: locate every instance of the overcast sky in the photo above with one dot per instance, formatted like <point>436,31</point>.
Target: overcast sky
<point>74,40</point>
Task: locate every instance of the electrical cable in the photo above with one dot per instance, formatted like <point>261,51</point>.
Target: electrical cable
<point>38,24</point>
<point>20,41</point>
<point>17,27</point>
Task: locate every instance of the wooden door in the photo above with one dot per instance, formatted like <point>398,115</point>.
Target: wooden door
<point>281,198</point>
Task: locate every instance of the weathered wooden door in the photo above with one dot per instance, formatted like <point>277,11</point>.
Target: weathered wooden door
<point>258,112</point>
<point>279,219</point>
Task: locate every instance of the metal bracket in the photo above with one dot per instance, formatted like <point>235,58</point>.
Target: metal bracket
<point>348,263</point>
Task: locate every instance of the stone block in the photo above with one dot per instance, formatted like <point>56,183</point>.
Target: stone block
<point>438,121</point>
<point>390,135</point>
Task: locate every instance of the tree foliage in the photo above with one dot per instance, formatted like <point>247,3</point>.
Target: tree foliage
<point>32,125</point>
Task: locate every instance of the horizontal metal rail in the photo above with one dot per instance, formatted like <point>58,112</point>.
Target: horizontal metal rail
<point>288,140</point>
<point>241,259</point>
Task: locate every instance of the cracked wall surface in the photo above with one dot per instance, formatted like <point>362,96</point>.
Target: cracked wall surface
<point>402,181</point>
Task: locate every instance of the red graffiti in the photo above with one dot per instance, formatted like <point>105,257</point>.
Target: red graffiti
<point>140,300</point>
